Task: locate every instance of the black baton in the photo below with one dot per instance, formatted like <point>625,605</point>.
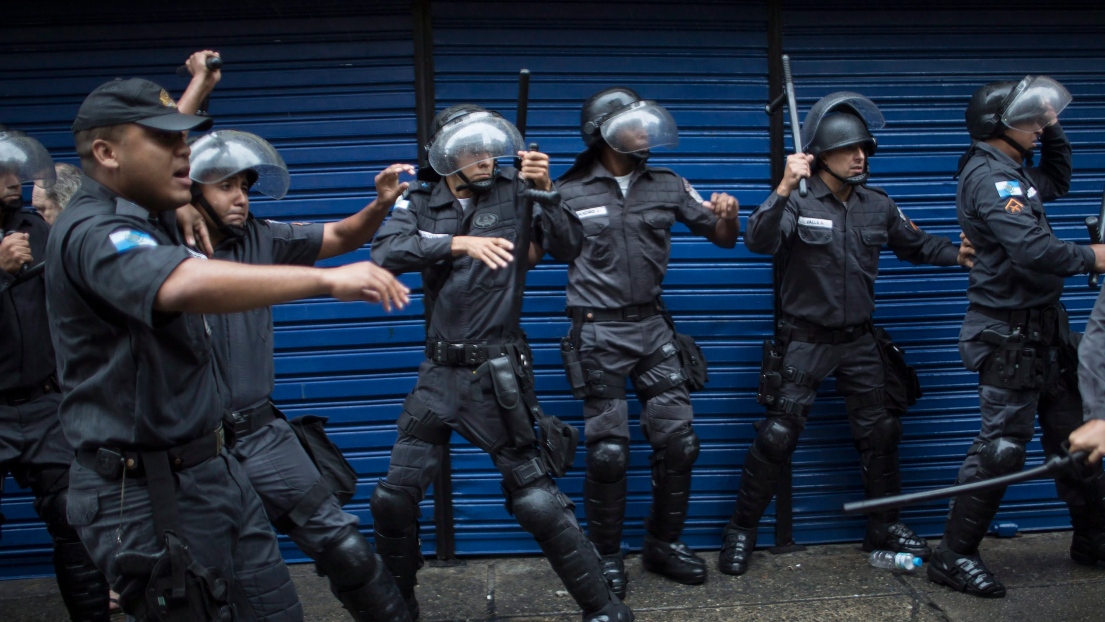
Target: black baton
<point>1051,468</point>
<point>787,96</point>
<point>523,110</point>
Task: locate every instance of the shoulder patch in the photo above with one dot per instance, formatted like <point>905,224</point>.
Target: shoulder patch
<point>1010,188</point>
<point>485,221</point>
<point>691,191</point>
<point>130,239</point>
<point>1014,206</point>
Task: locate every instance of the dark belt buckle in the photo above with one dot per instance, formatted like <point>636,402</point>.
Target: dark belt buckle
<point>454,353</point>
<point>109,463</point>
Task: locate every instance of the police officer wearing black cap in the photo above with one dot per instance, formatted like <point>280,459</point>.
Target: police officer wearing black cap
<point>830,243</point>
<point>620,327</point>
<point>466,235</point>
<point>1016,333</point>
<point>33,447</point>
<point>163,510</point>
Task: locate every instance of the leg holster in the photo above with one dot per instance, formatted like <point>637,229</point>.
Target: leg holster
<point>772,375</point>
<point>655,358</point>
<point>338,477</point>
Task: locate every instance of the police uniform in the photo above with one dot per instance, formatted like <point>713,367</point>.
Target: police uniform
<point>1091,363</point>
<point>472,327</point>
<point>621,329</point>
<point>32,446</point>
<point>293,492</point>
<point>1016,335</point>
<point>830,253</point>
<point>141,402</point>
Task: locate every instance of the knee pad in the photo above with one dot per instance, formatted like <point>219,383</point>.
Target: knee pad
<point>777,439</point>
<point>392,509</point>
<point>349,561</point>
<point>680,453</point>
<point>885,435</point>
<point>608,460</point>
<point>541,509</point>
<point>1001,456</point>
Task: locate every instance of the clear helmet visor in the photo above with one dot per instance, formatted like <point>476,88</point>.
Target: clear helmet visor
<point>223,153</point>
<point>471,139</point>
<point>25,159</point>
<point>1037,102</point>
<point>840,101</point>
<point>642,126</point>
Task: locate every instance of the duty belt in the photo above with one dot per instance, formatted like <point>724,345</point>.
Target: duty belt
<point>110,462</point>
<point>466,354</point>
<point>245,422</point>
<point>632,313</point>
<point>795,329</point>
<point>22,395</point>
<point>1041,324</point>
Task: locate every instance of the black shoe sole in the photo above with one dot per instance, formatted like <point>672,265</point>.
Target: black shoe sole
<point>696,580</point>
<point>732,571</point>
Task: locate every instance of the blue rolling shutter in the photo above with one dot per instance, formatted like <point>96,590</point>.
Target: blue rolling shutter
<point>706,62</point>
<point>331,86</point>
<point>920,65</point>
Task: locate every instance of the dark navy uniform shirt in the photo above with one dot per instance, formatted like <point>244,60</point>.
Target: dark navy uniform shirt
<point>1091,362</point>
<point>26,354</point>
<point>832,249</point>
<point>628,238</point>
<point>243,341</point>
<point>133,377</point>
<point>1019,262</point>
<point>465,300</point>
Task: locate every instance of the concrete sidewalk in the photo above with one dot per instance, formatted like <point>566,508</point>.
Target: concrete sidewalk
<point>820,584</point>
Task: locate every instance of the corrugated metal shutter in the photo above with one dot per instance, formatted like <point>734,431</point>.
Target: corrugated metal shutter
<point>330,84</point>
<point>706,62</point>
<point>920,64</point>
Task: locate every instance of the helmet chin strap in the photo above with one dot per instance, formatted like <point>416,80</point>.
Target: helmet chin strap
<point>854,180</point>
<point>637,157</point>
<point>1026,154</point>
<point>482,186</point>
<point>232,232</point>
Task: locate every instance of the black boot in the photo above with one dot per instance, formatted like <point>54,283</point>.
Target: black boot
<point>378,600</point>
<point>736,550</point>
<point>1087,545</point>
<point>663,553</point>
<point>84,590</point>
<point>576,562</point>
<point>673,560</point>
<point>613,569</point>
<point>402,556</point>
<point>895,537</point>
<point>965,573</point>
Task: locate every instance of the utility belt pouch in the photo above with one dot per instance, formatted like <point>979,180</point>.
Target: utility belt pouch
<point>338,475</point>
<point>558,444</point>
<point>577,379</point>
<point>771,377</point>
<point>516,417</point>
<point>694,362</point>
<point>1013,365</point>
<point>902,385</point>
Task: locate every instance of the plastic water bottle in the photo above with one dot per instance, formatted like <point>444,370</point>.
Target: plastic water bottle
<point>894,561</point>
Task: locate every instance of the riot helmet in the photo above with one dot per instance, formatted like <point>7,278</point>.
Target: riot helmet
<point>467,134</point>
<point>628,124</point>
<point>1026,106</point>
<point>838,120</point>
<point>225,153</point>
<point>23,159</point>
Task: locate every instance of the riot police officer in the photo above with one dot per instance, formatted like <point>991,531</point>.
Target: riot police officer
<point>164,512</point>
<point>469,240</point>
<point>1015,332</point>
<point>1090,436</point>
<point>621,328</point>
<point>225,166</point>
<point>32,445</point>
<point>829,243</point>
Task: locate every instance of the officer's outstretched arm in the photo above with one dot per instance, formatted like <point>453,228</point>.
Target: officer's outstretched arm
<point>558,230</point>
<point>911,243</point>
<point>401,247</point>
<point>349,234</point>
<point>212,286</point>
<point>203,82</point>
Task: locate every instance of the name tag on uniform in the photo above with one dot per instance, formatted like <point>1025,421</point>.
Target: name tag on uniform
<point>431,236</point>
<point>591,212</point>
<point>820,223</point>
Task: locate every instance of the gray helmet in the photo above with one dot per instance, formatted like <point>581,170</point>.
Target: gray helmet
<point>26,158</point>
<point>841,119</point>
<point>1034,102</point>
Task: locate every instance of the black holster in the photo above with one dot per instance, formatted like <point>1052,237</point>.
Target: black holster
<point>577,378</point>
<point>338,475</point>
<point>771,377</point>
<point>694,362</point>
<point>1017,363</point>
<point>902,388</point>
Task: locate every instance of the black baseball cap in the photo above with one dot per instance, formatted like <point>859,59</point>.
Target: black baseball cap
<point>135,101</point>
